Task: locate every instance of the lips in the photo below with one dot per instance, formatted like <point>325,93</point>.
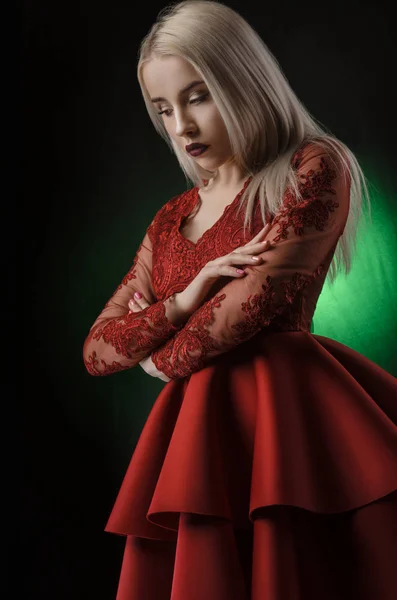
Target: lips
<point>195,146</point>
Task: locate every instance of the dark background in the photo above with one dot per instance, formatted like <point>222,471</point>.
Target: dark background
<point>95,172</point>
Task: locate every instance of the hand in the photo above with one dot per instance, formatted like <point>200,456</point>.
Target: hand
<point>196,292</point>
<point>148,365</point>
<point>135,305</point>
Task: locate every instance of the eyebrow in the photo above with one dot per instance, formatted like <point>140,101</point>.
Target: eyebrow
<point>185,89</point>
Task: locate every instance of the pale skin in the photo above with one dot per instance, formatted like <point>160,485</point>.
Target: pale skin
<point>192,116</point>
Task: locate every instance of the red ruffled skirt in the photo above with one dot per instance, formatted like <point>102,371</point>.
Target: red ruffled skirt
<point>271,474</point>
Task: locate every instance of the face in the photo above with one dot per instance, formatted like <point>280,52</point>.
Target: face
<point>189,115</point>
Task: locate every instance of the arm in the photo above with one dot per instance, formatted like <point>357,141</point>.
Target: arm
<point>305,234</point>
<point>120,339</point>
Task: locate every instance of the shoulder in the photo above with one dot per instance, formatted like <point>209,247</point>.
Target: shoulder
<point>323,179</point>
<point>315,158</point>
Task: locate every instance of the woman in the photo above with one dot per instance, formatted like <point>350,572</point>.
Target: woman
<point>267,468</point>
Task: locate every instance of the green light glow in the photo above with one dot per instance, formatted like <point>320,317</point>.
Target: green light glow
<point>359,309</point>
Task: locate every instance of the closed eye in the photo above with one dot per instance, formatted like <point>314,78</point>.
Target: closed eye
<point>197,100</point>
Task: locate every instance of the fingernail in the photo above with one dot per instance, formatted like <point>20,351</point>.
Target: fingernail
<point>138,295</point>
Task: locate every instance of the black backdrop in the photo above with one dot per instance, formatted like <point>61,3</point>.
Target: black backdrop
<point>90,192</point>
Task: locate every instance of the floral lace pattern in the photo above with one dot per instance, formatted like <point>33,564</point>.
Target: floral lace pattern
<point>92,363</point>
<point>278,295</point>
<point>132,335</point>
<point>278,291</point>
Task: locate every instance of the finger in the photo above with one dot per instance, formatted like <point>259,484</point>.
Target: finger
<point>260,235</point>
<point>133,306</point>
<point>142,302</point>
<point>258,247</point>
<point>250,249</point>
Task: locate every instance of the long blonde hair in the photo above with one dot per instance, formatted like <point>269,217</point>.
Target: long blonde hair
<point>265,120</point>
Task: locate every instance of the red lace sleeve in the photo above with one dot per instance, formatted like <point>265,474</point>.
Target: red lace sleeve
<point>119,340</point>
<point>305,233</point>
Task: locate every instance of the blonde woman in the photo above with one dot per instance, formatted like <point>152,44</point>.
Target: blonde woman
<point>267,468</point>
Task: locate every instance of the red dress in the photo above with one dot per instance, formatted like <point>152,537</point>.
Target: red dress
<point>267,468</point>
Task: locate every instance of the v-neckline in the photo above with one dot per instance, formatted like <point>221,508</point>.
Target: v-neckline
<point>192,205</point>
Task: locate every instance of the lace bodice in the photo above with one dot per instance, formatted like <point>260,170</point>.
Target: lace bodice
<point>280,294</point>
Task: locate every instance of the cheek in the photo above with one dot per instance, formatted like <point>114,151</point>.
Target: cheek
<point>215,122</point>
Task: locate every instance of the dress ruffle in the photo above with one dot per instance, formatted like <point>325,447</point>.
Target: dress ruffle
<point>283,451</point>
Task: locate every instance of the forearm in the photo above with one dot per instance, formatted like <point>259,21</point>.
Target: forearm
<point>120,343</point>
<point>182,305</point>
<point>176,310</point>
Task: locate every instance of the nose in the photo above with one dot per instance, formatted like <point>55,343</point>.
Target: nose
<point>184,125</point>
